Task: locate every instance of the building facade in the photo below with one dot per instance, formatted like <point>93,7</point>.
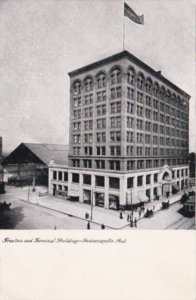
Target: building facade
<point>129,129</point>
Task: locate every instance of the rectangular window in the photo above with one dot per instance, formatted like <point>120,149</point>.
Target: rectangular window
<point>60,175</point>
<point>87,179</point>
<point>130,182</point>
<point>100,181</point>
<point>65,176</point>
<point>75,178</point>
<point>148,179</point>
<point>54,175</point>
<point>139,180</point>
<point>114,183</point>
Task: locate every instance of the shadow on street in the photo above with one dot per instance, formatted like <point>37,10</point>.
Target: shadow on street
<point>10,218</point>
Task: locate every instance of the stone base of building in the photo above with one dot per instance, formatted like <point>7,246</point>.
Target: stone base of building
<point>116,190</point>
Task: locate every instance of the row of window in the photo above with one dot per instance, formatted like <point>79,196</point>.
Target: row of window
<point>131,164</point>
<point>133,78</point>
<point>139,151</point>
<point>114,182</point>
<point>117,93</point>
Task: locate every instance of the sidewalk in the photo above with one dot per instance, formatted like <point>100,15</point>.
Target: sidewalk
<point>110,218</point>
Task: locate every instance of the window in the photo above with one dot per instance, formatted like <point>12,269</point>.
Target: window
<point>115,122</point>
<point>88,138</point>
<point>114,165</point>
<point>60,175</point>
<point>116,93</point>
<point>101,110</point>
<point>116,76</point>
<point>88,125</point>
<point>100,181</point>
<point>76,126</point>
<point>130,165</point>
<point>140,97</point>
<point>129,122</point>
<point>131,76</point>
<point>87,179</point>
<point>139,124</point>
<point>87,163</point>
<point>75,178</point>
<point>148,100</point>
<point>101,137</point>
<point>130,182</point>
<point>77,113</point>
<point>65,176</point>
<point>101,150</point>
<point>140,81</point>
<point>114,183</point>
<point>115,107</point>
<point>130,137</point>
<point>148,179</point>
<point>88,112</point>
<point>100,164</point>
<point>76,163</point>
<point>155,178</point>
<point>88,85</point>
<point>101,80</point>
<point>54,175</point>
<point>129,150</point>
<point>139,111</point>
<point>88,99</point>
<point>76,139</point>
<point>130,107</point>
<point>88,150</point>
<point>140,164</point>
<point>101,123</point>
<point>139,180</point>
<point>101,96</point>
<point>115,136</point>
<point>130,93</point>
<point>148,85</point>
<point>77,88</point>
<point>115,150</point>
<point>76,101</point>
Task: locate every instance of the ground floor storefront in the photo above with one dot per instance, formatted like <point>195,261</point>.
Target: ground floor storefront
<point>117,190</point>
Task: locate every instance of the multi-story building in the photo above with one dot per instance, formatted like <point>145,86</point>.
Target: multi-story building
<point>128,136</point>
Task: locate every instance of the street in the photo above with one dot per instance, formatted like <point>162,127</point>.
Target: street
<point>53,213</point>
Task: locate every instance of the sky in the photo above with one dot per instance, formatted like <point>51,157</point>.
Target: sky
<point>42,40</point>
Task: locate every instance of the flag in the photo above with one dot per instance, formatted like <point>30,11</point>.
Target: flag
<point>129,12</point>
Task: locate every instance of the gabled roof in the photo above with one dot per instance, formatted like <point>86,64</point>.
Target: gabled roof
<point>38,153</point>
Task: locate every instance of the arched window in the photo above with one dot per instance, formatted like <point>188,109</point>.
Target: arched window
<point>173,99</point>
<point>156,89</point>
<point>131,76</point>
<point>88,84</point>
<point>168,96</point>
<point>101,80</point>
<point>140,81</point>
<point>77,87</point>
<point>149,85</point>
<point>162,93</point>
<point>116,76</point>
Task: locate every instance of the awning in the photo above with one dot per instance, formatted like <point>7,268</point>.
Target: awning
<point>132,199</point>
<point>142,197</point>
<point>72,193</point>
<point>175,186</point>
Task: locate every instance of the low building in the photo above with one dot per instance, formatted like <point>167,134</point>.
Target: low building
<point>31,160</point>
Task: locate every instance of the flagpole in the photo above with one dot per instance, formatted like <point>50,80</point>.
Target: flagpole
<point>123,31</point>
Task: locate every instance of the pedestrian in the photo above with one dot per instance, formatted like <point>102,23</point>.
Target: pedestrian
<point>140,213</point>
<point>128,218</point>
<point>55,228</point>
<point>121,215</point>
<point>102,226</point>
<point>131,223</point>
<point>135,222</point>
<point>153,207</point>
<point>88,225</point>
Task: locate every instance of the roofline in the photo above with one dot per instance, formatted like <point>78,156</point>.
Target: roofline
<point>136,60</point>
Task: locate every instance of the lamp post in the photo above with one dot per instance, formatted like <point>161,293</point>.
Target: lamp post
<point>131,219</point>
<point>91,204</point>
